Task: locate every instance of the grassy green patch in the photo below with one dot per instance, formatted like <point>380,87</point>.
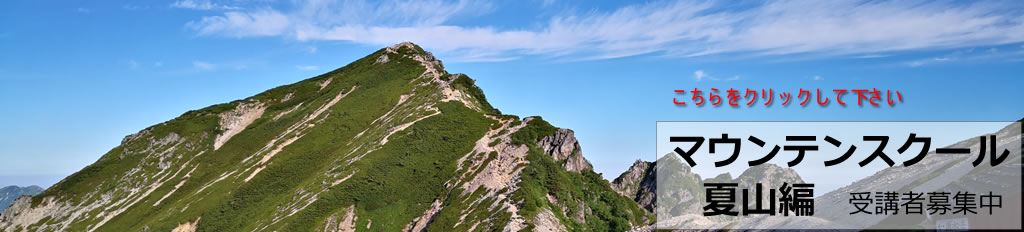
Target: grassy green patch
<point>466,84</point>
<point>534,130</point>
<point>390,185</point>
<point>605,209</point>
<point>495,142</point>
<point>399,182</point>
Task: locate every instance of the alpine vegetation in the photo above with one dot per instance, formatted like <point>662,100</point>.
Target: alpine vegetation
<point>390,142</point>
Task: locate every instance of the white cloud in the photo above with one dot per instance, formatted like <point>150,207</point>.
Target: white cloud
<point>700,75</point>
<point>200,65</point>
<point>817,78</point>
<point>674,28</point>
<point>870,56</point>
<point>134,7</point>
<point>201,5</point>
<point>922,62</point>
<point>968,55</point>
<point>307,67</point>
<point>238,24</point>
<point>134,65</point>
<point>547,2</point>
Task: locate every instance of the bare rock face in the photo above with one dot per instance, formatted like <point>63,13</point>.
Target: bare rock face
<point>767,175</point>
<point>638,183</point>
<point>233,122</point>
<point>17,207</point>
<point>686,188</point>
<point>628,183</point>
<point>381,59</point>
<point>679,190</point>
<point>563,146</point>
<point>153,184</point>
<point>770,176</point>
<point>187,226</point>
<point>10,193</point>
<point>547,221</point>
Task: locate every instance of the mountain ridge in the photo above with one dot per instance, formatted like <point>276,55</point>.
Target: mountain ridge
<point>10,193</point>
<point>389,142</point>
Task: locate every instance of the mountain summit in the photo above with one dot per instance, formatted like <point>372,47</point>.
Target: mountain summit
<point>390,142</point>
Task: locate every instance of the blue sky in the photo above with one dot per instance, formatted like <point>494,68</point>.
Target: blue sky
<point>76,77</point>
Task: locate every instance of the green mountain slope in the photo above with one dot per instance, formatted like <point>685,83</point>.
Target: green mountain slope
<point>390,142</point>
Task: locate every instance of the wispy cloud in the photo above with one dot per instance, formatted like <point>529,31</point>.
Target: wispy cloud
<point>817,78</point>
<point>134,65</point>
<point>134,7</point>
<point>202,5</point>
<point>547,2</point>
<point>239,24</point>
<point>669,28</point>
<point>922,62</point>
<point>870,56</point>
<point>700,75</point>
<point>205,66</point>
<point>307,67</point>
<point>969,55</point>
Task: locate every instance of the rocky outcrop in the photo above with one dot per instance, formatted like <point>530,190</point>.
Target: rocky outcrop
<point>628,182</point>
<point>233,122</point>
<point>562,146</point>
<point>684,188</point>
<point>10,193</point>
<point>770,176</point>
<point>678,189</point>
<point>420,223</point>
<point>682,195</point>
<point>15,208</point>
<point>187,226</point>
<point>383,58</point>
<point>546,221</point>
<point>383,144</point>
<point>638,183</point>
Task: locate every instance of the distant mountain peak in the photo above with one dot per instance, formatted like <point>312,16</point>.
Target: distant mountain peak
<point>389,142</point>
<point>10,193</point>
